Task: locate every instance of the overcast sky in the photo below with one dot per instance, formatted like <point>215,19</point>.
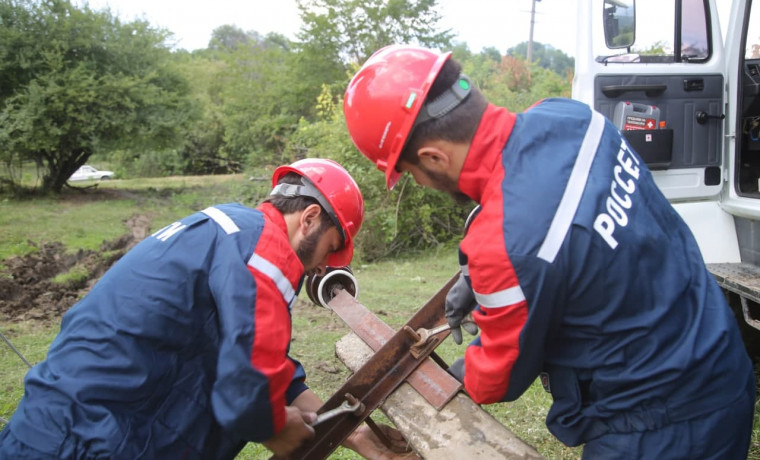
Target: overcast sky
<point>479,23</point>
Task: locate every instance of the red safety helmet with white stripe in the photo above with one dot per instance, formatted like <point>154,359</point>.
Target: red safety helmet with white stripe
<point>383,100</point>
<point>335,190</point>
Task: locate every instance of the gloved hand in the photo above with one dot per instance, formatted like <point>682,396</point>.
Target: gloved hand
<point>460,301</point>
<point>457,369</point>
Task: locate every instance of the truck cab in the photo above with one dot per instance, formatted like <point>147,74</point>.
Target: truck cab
<point>681,80</point>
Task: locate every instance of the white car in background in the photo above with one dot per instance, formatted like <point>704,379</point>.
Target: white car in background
<point>87,172</point>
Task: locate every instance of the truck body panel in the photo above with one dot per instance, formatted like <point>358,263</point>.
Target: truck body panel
<point>684,89</point>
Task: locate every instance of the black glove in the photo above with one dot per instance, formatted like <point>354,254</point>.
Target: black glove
<point>460,301</point>
<point>457,369</point>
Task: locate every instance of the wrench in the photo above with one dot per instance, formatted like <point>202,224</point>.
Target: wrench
<point>425,334</point>
<point>346,407</point>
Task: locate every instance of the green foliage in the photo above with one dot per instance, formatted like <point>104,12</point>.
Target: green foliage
<point>658,48</point>
<point>260,101</point>
<point>76,276</point>
<point>511,82</point>
<point>351,30</point>
<point>203,149</point>
<point>546,56</point>
<point>247,102</point>
<point>149,163</point>
<point>408,217</point>
<point>339,34</point>
<point>229,37</point>
<point>77,81</point>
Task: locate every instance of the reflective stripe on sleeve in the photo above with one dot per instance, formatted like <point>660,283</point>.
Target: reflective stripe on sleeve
<point>270,270</point>
<point>222,219</point>
<point>574,190</point>
<point>499,299</point>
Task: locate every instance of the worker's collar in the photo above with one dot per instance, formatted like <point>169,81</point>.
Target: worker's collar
<point>274,215</point>
<point>485,150</point>
<point>295,270</point>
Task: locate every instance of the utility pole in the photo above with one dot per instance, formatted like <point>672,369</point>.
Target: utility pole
<point>532,22</point>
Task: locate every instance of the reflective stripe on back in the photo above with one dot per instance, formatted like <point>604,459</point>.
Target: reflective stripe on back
<point>574,190</point>
<point>222,219</point>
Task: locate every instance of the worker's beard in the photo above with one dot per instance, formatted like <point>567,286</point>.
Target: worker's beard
<point>445,184</point>
<point>308,246</point>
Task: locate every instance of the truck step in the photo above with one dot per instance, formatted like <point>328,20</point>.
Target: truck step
<point>741,278</point>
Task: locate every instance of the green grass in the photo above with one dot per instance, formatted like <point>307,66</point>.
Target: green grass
<point>393,289</point>
<point>84,219</point>
<point>77,274</point>
<point>32,340</point>
<point>55,220</point>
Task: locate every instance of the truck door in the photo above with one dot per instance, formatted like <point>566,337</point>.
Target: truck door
<point>741,197</point>
<point>690,107</point>
<point>657,69</point>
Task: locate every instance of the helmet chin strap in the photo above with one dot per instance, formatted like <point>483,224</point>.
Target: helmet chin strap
<point>308,189</point>
<point>446,102</point>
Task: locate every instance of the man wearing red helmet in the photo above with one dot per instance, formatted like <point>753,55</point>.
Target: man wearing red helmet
<point>575,266</point>
<point>181,349</point>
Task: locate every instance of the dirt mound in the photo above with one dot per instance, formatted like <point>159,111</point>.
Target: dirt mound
<point>28,289</point>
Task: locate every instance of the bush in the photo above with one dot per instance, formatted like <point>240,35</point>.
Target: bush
<point>408,217</point>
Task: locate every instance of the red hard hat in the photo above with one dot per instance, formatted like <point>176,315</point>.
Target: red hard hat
<point>338,194</point>
<point>383,100</point>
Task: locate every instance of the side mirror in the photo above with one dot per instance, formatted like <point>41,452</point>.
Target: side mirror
<point>619,23</point>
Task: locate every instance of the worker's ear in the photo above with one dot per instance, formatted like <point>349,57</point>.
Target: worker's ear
<point>310,218</point>
<point>435,157</point>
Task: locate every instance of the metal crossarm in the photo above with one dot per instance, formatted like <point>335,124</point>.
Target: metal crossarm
<point>388,368</point>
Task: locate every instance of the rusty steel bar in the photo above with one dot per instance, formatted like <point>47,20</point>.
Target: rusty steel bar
<point>430,380</point>
<point>375,380</point>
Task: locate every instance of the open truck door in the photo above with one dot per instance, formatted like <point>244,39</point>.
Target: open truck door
<point>688,102</point>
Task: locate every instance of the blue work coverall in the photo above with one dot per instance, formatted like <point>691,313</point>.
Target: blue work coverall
<point>586,276</point>
<point>179,351</point>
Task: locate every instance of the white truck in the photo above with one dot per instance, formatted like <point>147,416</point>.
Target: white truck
<point>685,91</point>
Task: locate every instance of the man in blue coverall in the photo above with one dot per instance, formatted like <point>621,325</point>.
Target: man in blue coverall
<point>181,349</point>
<point>578,269</point>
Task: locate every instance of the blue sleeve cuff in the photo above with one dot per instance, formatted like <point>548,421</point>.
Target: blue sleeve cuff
<point>296,388</point>
<point>297,383</point>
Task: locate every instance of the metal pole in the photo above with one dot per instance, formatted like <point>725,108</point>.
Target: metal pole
<point>532,22</point>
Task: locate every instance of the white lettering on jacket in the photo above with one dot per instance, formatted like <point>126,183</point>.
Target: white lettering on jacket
<point>625,173</point>
<point>169,231</point>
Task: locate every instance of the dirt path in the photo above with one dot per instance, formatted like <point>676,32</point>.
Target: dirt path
<point>27,290</point>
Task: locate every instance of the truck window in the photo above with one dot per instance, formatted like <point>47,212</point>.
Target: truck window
<point>659,38</point>
<point>748,147</point>
<point>752,48</point>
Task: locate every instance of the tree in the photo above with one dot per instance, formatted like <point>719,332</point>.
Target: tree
<point>351,30</point>
<point>338,35</point>
<point>546,56</point>
<point>75,82</point>
<point>407,218</point>
<point>262,99</point>
<point>229,37</point>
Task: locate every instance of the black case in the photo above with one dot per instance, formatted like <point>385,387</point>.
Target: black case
<point>654,146</point>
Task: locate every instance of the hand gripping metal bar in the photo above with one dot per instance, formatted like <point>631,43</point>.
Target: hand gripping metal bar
<point>350,406</point>
<point>376,380</point>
